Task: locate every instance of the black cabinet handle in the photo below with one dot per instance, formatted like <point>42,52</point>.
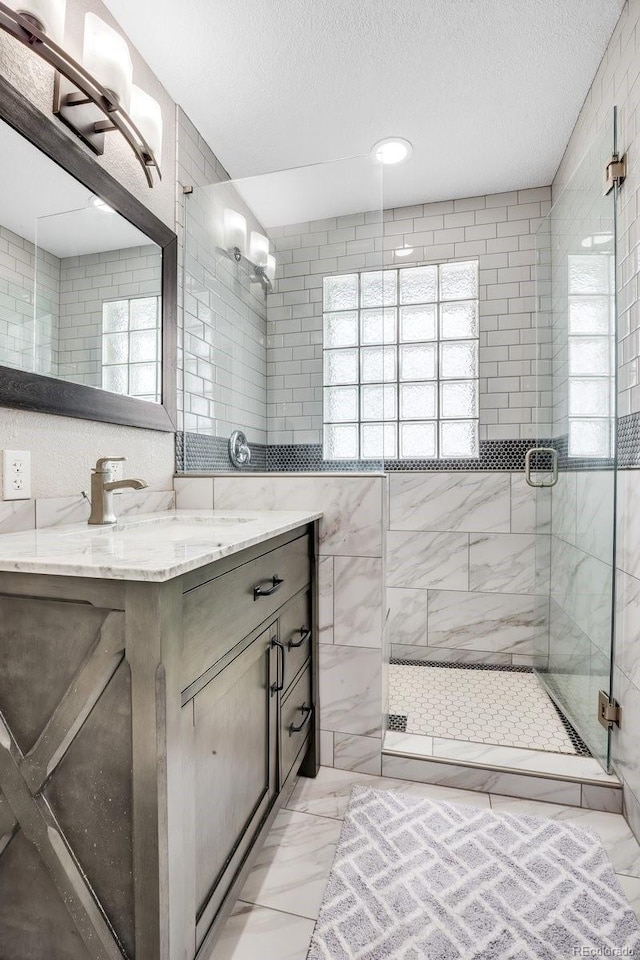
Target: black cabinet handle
<point>306,716</point>
<point>260,591</point>
<point>278,686</point>
<point>304,636</point>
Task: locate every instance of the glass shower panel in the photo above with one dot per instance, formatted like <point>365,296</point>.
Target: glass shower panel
<point>289,323</point>
<point>576,415</point>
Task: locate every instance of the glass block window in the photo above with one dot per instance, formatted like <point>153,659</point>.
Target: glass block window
<point>591,347</point>
<point>400,354</point>
<point>132,347</point>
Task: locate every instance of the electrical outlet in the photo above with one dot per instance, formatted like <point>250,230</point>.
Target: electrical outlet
<point>16,475</point>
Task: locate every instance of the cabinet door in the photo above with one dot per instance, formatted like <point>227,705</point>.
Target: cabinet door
<point>235,719</point>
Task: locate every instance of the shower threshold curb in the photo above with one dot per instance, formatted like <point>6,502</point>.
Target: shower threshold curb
<point>570,790</point>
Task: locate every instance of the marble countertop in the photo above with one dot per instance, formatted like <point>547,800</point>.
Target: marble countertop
<point>154,547</point>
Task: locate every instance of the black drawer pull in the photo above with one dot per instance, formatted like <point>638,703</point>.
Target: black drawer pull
<point>305,633</point>
<point>278,686</point>
<point>260,591</point>
<point>306,714</point>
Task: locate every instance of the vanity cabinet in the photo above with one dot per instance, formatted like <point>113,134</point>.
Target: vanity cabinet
<point>148,734</point>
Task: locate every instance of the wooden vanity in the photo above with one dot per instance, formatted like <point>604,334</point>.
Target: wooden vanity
<point>149,732</point>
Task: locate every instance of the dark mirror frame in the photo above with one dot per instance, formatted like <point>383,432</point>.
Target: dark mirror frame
<point>33,391</point>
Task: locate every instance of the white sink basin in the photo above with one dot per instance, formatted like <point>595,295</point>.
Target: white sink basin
<point>174,528</point>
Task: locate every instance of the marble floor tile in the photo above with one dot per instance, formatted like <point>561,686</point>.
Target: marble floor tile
<point>631,888</point>
<point>613,829</point>
<point>292,868</point>
<point>253,932</point>
<point>328,794</point>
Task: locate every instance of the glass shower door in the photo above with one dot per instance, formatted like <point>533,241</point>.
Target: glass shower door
<point>576,417</point>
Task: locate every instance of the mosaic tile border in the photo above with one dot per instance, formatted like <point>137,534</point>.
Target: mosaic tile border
<point>197,452</point>
<point>580,747</point>
<point>209,454</point>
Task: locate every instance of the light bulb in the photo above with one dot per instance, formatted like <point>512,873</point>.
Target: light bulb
<point>147,116</point>
<point>258,249</point>
<point>235,231</point>
<point>46,15</point>
<point>392,150</point>
<point>270,268</point>
<point>106,57</point>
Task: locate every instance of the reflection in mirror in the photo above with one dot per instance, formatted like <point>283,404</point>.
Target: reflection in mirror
<point>80,287</point>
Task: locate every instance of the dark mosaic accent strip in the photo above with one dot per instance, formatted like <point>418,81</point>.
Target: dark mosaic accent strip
<point>397,722</point>
<point>196,453</point>
<point>494,455</point>
<point>579,745</point>
<point>209,454</point>
<point>454,665</point>
<point>577,742</point>
<point>629,441</point>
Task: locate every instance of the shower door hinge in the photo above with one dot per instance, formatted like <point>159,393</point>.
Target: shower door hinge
<point>609,711</point>
<point>615,172</point>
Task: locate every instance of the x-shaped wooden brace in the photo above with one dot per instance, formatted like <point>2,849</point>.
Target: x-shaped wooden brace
<point>22,778</point>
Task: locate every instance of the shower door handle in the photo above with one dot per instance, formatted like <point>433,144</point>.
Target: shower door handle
<point>554,466</point>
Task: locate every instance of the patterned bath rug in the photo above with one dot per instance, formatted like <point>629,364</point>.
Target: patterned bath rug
<point>417,879</point>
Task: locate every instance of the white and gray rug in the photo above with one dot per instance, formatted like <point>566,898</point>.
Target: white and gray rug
<point>416,879</point>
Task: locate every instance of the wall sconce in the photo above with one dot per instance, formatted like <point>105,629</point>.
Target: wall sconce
<point>235,245</point>
<point>96,96</point>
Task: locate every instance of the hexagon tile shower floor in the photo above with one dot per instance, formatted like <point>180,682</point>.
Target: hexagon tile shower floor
<point>505,707</point>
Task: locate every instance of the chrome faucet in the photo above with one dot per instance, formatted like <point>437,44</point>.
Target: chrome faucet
<point>102,488</point>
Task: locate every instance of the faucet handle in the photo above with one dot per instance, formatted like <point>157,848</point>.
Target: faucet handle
<point>101,462</point>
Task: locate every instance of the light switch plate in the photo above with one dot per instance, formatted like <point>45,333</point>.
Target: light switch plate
<point>16,475</point>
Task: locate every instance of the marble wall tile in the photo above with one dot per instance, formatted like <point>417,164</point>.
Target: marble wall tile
<point>628,522</point>
<point>601,798</point>
<point>452,501</point>
<point>627,647</point>
<point>57,511</point>
<point>194,493</point>
<point>17,515</point>
<point>351,690</point>
<point>624,739</point>
<point>423,560</point>
<point>325,599</point>
<point>530,507</point>
<point>352,506</point>
<point>361,754</point>
<point>401,651</point>
<point>502,562</point>
<point>326,748</point>
<point>504,623</point>
<point>631,806</point>
<point>407,624</point>
<point>129,503</point>
<point>564,507</point>
<point>357,614</point>
<point>594,513</point>
<point>475,778</point>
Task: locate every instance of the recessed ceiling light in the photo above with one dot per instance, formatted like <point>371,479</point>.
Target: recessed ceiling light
<point>392,150</point>
<point>100,204</point>
<point>403,251</point>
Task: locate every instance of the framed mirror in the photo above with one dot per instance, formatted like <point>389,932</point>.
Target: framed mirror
<point>88,283</point>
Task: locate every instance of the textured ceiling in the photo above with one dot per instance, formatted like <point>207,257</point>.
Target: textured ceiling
<point>488,91</point>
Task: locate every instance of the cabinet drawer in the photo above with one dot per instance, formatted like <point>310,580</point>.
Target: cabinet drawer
<point>296,715</point>
<point>223,611</point>
<point>295,635</point>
